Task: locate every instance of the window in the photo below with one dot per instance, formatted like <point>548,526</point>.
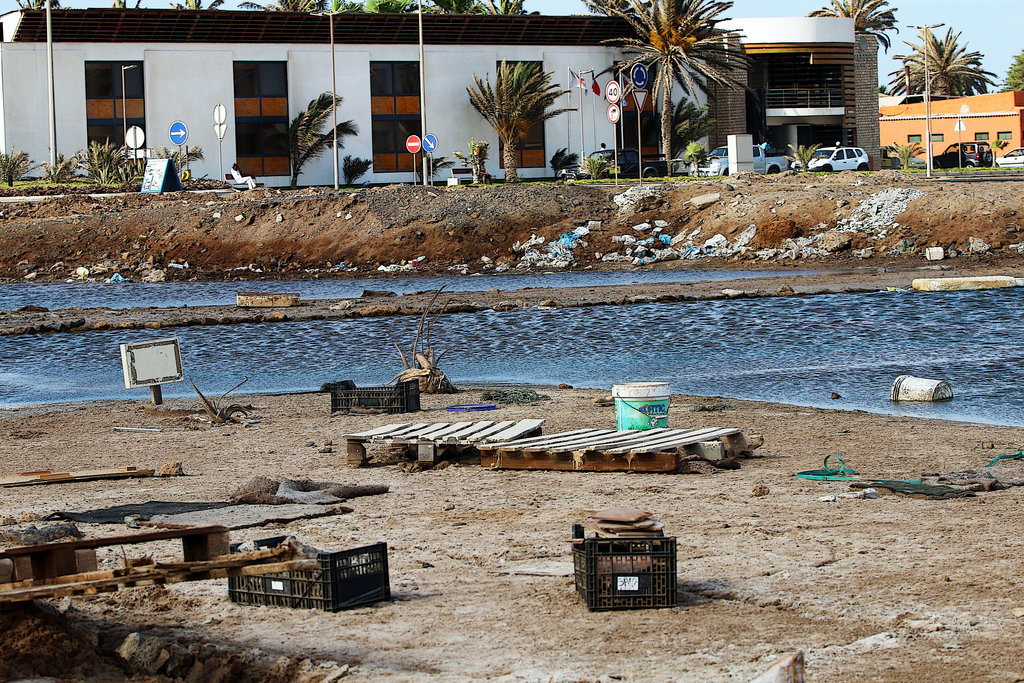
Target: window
<point>981,136</point>
<point>261,118</point>
<point>1006,135</point>
<point>530,151</point>
<point>395,107</point>
<point>916,138</point>
<point>105,104</point>
<point>938,137</point>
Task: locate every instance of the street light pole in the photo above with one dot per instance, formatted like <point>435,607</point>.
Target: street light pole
<point>334,103</point>
<point>124,102</point>
<point>49,85</point>
<point>925,30</point>
<point>423,94</point>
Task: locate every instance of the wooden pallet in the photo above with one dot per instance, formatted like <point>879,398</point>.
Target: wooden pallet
<point>70,568</point>
<point>607,450</point>
<point>48,477</point>
<point>431,438</point>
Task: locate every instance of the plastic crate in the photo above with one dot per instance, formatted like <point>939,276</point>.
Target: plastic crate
<point>404,397</point>
<point>625,573</point>
<point>347,578</point>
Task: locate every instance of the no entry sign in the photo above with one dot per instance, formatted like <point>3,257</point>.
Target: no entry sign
<point>413,144</point>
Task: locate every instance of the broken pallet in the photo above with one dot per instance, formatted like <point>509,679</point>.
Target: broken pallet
<point>428,438</point>
<point>48,477</point>
<point>607,450</point>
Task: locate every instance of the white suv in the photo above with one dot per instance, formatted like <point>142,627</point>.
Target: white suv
<point>839,159</point>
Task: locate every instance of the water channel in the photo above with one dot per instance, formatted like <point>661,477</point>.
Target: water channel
<point>794,350</point>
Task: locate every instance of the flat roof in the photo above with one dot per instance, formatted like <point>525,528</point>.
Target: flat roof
<point>256,26</point>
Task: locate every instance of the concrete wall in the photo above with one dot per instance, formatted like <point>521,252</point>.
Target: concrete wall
<point>185,82</point>
<point>768,30</point>
<point>865,59</point>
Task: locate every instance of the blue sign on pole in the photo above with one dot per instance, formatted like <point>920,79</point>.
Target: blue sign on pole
<point>429,142</point>
<point>638,74</point>
<point>178,133</point>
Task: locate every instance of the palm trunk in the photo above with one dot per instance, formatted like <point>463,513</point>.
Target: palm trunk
<point>666,127</point>
<point>508,154</point>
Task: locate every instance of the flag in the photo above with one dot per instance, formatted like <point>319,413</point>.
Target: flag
<point>596,87</point>
<point>573,79</point>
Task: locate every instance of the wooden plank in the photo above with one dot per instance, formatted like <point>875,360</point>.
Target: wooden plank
<point>684,441</point>
<point>103,542</point>
<point>590,462</point>
<point>407,434</point>
<point>485,433</point>
<point>206,547</point>
<point>437,434</point>
<point>610,440</point>
<point>468,432</point>
<point>46,477</point>
<point>652,442</point>
<point>378,430</point>
<point>356,453</point>
<point>402,431</point>
<point>550,438</point>
<point>521,428</point>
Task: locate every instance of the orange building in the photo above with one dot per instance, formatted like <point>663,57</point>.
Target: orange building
<point>996,116</point>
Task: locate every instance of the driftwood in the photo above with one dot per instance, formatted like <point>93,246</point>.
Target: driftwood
<point>424,362</point>
<point>788,669</point>
<point>213,409</point>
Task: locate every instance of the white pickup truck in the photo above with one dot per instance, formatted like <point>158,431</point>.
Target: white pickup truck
<point>718,162</point>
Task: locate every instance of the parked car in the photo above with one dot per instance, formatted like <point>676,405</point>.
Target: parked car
<point>964,155</point>
<point>629,165</point>
<point>839,159</point>
<point>1012,159</point>
<point>764,162</point>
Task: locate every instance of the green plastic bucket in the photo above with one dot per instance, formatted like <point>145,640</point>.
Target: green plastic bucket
<point>641,405</point>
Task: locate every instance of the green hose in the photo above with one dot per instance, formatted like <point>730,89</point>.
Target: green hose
<point>840,474</point>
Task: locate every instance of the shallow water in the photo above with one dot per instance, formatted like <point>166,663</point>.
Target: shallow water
<point>793,350</point>
<point>62,295</point>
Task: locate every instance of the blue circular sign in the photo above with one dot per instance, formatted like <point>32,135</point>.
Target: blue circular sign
<point>178,132</point>
<point>638,74</point>
<point>429,142</point>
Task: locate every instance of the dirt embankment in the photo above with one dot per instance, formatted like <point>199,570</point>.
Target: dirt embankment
<point>311,233</point>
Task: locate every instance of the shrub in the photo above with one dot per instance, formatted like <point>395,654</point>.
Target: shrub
<point>14,166</point>
<point>63,170</point>
<point>354,168</point>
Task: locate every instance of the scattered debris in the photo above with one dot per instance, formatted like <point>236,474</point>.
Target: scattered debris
<point>760,490</point>
<point>33,535</point>
<point>48,477</point>
<point>266,491</point>
<point>424,367</point>
<point>514,396</point>
<point>787,669</point>
<point>624,522</point>
<point>217,414</point>
<point>428,441</point>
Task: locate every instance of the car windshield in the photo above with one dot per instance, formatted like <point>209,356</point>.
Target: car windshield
<point>823,154</point>
<point>719,152</point>
<point>604,154</point>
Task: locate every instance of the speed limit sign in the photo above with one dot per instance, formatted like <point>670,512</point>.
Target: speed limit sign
<point>614,113</point>
<point>613,92</point>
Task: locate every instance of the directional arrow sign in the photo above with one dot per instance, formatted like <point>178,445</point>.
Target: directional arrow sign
<point>638,74</point>
<point>429,142</point>
<point>412,143</point>
<point>178,133</point>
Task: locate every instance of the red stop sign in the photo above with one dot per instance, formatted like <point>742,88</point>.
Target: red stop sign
<point>413,144</point>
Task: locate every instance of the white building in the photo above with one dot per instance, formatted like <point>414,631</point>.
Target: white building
<point>265,67</point>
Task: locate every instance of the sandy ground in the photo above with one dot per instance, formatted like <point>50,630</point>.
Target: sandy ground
<point>894,589</point>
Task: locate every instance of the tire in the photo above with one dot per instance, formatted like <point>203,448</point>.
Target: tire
<point>827,168</point>
<point>863,167</point>
<point>650,173</point>
<point>970,164</point>
<point>726,173</point>
<point>772,170</point>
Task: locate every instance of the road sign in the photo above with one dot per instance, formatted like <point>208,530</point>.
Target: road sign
<point>614,113</point>
<point>640,99</point>
<point>178,132</point>
<point>220,114</point>
<point>135,137</point>
<point>613,92</point>
<point>959,125</point>
<point>219,129</point>
<point>638,74</point>
<point>429,142</point>
<point>413,144</point>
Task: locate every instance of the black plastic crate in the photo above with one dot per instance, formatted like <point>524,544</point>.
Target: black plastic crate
<point>347,578</point>
<point>404,397</point>
<point>625,573</point>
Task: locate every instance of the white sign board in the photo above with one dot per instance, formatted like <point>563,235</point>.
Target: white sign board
<point>150,363</point>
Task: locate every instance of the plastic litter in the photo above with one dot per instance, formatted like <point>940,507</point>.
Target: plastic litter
<point>471,407</point>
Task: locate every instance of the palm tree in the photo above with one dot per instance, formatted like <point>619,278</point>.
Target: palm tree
<point>306,140</point>
<point>801,156</point>
<point>869,16</point>
<point>681,42</point>
<point>196,5</point>
<point>523,95</point>
<point>123,4</point>
<point>390,6</point>
<point>287,6</point>
<point>457,7</point>
<point>954,70</point>
<point>37,4</point>
<point>690,122</point>
<point>504,7</point>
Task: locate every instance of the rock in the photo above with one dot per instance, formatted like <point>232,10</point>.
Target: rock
<point>448,506</point>
<point>785,290</point>
<point>604,401</point>
<point>934,253</point>
<point>745,237</point>
<point>565,386</point>
<point>29,517</point>
<point>760,490</point>
<point>833,240</point>
<point>865,253</point>
<point>841,203</point>
<point>733,293</point>
<point>171,468</point>
<point>1018,612</point>
<point>239,218</point>
<point>216,214</point>
<point>155,275</point>
<point>279,219</point>
<point>549,303</point>
<point>31,276</point>
<point>593,225</point>
<point>8,520</point>
<point>976,245</point>
<point>310,444</point>
<point>835,396</point>
<point>704,200</point>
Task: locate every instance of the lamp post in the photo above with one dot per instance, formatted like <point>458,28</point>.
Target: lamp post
<point>124,102</point>
<point>423,94</point>
<point>334,102</point>
<point>925,29</point>
<point>52,105</point>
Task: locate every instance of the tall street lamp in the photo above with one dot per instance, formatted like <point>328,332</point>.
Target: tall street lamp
<point>52,105</point>
<point>124,101</point>
<point>334,102</point>
<point>423,94</point>
<point>925,30</point>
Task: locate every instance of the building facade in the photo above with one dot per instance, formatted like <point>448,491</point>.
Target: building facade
<point>151,68</point>
<point>984,118</point>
